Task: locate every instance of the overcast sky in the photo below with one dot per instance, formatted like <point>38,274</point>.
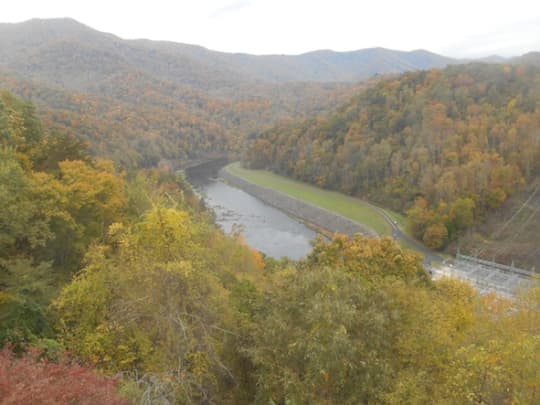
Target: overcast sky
<point>459,28</point>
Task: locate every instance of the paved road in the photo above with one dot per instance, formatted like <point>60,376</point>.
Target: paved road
<point>397,234</point>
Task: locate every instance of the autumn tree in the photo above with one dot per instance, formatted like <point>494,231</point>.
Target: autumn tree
<point>462,137</point>
<point>152,301</point>
<point>31,379</point>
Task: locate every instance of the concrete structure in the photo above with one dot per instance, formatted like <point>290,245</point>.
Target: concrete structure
<point>311,214</point>
<point>487,276</point>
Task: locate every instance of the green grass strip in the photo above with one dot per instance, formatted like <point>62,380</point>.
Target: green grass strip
<point>344,205</point>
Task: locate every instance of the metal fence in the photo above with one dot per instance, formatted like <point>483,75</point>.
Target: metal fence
<point>495,265</point>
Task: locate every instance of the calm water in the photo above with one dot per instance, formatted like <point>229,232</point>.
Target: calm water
<point>264,227</point>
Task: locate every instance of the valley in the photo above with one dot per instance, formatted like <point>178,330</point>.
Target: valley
<point>239,198</point>
<point>429,145</point>
<point>370,220</point>
<point>375,240</point>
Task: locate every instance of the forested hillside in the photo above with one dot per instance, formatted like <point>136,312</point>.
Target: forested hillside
<point>448,147</point>
<point>37,48</point>
<point>146,121</point>
<point>118,288</point>
<point>64,214</point>
<point>140,102</point>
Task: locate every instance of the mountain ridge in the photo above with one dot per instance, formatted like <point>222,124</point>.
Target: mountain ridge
<point>434,144</point>
<point>20,39</point>
<point>169,100</point>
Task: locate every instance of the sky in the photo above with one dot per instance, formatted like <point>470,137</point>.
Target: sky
<point>457,28</point>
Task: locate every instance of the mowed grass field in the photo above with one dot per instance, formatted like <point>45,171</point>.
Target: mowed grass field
<point>344,205</point>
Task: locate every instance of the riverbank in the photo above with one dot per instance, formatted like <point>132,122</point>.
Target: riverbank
<point>346,206</point>
<point>318,216</point>
<point>361,214</point>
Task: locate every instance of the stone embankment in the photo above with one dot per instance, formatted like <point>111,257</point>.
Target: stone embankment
<point>311,214</point>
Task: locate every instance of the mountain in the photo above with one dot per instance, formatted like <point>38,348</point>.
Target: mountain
<point>531,58</point>
<point>317,66</point>
<point>493,59</point>
<point>446,147</point>
<point>67,53</point>
<point>141,101</point>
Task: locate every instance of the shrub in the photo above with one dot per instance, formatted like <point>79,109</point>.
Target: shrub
<point>33,380</point>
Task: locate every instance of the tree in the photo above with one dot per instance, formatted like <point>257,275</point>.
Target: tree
<point>435,236</point>
<point>24,224</point>
<point>89,199</point>
<point>462,213</point>
<point>31,379</point>
<point>152,301</point>
<point>58,147</point>
<point>319,339</point>
<point>25,291</point>
<point>371,260</point>
<point>499,362</point>
<point>420,216</point>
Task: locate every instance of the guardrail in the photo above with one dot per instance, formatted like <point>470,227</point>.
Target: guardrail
<point>503,267</point>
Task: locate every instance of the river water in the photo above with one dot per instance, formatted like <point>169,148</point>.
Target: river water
<point>264,228</point>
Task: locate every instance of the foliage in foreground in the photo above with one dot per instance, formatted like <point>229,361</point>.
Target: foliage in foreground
<point>358,322</point>
<point>33,380</point>
<point>130,275</point>
<point>55,202</point>
<point>345,327</point>
<point>154,301</point>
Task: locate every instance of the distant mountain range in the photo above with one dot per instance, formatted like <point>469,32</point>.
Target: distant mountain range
<point>75,74</point>
<point>64,51</point>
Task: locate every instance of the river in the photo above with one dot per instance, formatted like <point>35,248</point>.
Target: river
<point>264,228</point>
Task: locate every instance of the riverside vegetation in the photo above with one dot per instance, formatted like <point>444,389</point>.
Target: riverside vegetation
<point>116,286</point>
<point>119,286</point>
<point>446,147</point>
<point>335,202</point>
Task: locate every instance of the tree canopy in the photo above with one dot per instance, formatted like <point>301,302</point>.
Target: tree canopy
<point>447,147</point>
<point>118,287</point>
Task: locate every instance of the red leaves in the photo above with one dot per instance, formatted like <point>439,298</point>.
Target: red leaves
<point>29,380</point>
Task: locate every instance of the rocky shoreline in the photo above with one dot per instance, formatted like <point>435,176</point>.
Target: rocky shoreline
<point>329,221</point>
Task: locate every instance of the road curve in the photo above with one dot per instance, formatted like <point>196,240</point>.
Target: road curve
<point>398,234</point>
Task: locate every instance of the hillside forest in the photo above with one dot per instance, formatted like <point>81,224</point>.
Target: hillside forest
<point>446,147</point>
<point>117,287</point>
<point>148,103</point>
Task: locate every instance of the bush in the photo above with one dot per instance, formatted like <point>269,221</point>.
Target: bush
<point>31,380</point>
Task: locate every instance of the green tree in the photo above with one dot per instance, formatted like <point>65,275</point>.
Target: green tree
<point>320,339</point>
<point>420,217</point>
<point>153,301</point>
<point>23,220</point>
<point>460,216</point>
